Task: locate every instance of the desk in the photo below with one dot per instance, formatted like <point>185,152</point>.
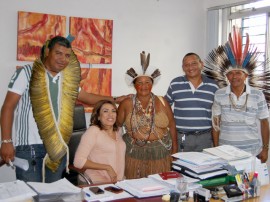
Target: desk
<point>264,197</point>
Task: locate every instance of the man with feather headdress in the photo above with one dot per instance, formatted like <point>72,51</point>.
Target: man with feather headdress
<point>240,112</point>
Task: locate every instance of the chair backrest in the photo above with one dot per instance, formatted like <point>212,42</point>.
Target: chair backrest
<point>79,127</point>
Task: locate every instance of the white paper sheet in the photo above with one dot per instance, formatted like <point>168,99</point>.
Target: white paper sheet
<point>135,187</point>
<point>197,158</point>
<point>62,186</point>
<point>228,152</point>
<point>15,191</point>
<point>21,163</point>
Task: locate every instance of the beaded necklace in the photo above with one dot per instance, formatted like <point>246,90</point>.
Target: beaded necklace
<point>145,125</point>
<point>236,107</point>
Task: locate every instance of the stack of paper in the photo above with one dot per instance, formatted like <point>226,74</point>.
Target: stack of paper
<point>199,165</point>
<point>228,152</point>
<point>144,187</point>
<point>56,190</point>
<point>16,191</point>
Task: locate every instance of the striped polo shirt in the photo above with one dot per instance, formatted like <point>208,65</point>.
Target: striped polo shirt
<point>24,129</point>
<point>192,110</point>
<point>240,128</point>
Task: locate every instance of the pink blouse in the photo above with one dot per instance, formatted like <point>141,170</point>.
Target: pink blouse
<point>96,145</point>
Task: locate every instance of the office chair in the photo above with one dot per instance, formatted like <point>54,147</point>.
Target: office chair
<point>79,127</point>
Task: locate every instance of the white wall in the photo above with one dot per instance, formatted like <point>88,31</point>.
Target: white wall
<point>167,29</point>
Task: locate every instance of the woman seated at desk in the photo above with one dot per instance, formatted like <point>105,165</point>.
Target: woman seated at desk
<point>101,151</point>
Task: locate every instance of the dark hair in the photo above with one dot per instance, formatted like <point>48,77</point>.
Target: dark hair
<point>189,54</point>
<point>59,40</point>
<point>51,43</point>
<point>134,81</point>
<point>96,113</point>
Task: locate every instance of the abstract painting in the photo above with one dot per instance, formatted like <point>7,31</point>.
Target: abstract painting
<point>97,81</point>
<point>33,31</point>
<point>93,40</point>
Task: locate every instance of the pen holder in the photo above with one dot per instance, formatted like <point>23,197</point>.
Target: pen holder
<point>251,187</point>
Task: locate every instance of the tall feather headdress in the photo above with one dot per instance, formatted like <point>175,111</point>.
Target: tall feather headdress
<point>232,56</point>
<point>131,74</point>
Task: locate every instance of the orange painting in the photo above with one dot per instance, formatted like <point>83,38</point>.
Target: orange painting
<point>93,40</point>
<point>97,81</point>
<point>33,31</point>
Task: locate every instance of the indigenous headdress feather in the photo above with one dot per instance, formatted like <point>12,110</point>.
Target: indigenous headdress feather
<point>232,56</point>
<point>131,74</point>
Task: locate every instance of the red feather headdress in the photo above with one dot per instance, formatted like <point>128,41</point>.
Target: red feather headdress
<point>231,57</point>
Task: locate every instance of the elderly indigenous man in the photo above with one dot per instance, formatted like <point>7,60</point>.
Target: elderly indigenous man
<point>238,107</point>
<point>192,96</point>
<point>37,114</point>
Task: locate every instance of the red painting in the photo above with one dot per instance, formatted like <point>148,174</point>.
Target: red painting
<point>97,81</point>
<point>93,40</point>
<point>33,31</point>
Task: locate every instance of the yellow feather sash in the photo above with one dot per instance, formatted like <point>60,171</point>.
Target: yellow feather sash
<point>55,135</point>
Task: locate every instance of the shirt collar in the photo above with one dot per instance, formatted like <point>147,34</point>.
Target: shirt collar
<point>228,89</point>
<point>54,78</point>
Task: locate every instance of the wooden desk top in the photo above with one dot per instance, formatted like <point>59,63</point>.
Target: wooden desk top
<point>264,197</point>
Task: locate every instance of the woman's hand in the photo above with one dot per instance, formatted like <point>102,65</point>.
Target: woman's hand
<point>112,174</point>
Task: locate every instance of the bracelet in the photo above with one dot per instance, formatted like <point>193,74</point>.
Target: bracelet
<point>265,146</point>
<point>6,141</point>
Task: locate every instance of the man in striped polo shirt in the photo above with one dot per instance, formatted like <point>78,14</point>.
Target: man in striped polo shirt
<point>192,96</point>
<point>237,110</point>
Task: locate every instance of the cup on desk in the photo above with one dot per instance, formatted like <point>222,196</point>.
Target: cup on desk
<point>182,188</point>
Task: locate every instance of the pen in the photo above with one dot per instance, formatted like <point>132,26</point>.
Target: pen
<point>11,164</point>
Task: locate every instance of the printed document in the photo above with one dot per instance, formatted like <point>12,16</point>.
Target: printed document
<point>15,191</point>
<point>228,152</point>
<point>144,187</point>
<point>62,186</point>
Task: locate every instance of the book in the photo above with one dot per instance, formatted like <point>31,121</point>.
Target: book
<point>198,169</point>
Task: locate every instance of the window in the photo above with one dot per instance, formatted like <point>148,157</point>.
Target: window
<point>253,18</point>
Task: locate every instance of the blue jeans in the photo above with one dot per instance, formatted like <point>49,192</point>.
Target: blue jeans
<point>35,155</point>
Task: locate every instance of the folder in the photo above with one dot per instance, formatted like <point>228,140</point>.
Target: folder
<point>201,176</point>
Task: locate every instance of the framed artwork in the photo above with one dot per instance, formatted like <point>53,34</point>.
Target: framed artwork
<point>33,31</point>
<point>97,81</point>
<point>93,40</point>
